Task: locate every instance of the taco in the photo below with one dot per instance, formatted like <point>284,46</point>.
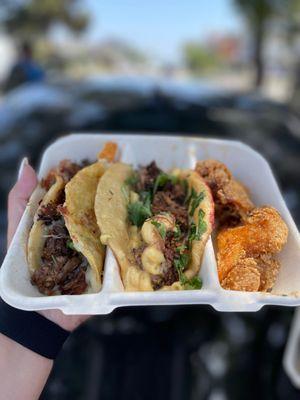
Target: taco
<point>65,255</point>
<point>156,224</point>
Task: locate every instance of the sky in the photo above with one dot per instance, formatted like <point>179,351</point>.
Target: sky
<point>160,27</point>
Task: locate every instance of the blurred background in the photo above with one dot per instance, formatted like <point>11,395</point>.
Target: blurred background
<point>223,68</point>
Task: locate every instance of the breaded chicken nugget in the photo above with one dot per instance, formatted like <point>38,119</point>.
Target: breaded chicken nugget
<point>244,276</point>
<point>268,268</point>
<point>251,246</point>
<point>264,231</point>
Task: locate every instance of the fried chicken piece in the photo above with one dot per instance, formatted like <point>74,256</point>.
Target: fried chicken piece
<point>229,253</point>
<point>264,231</point>
<point>215,173</point>
<point>244,276</point>
<point>269,269</point>
<point>249,247</point>
<point>231,198</point>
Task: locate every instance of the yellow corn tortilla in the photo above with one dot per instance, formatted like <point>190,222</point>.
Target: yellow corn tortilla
<point>39,230</point>
<point>111,214</point>
<point>79,215</point>
<point>80,220</point>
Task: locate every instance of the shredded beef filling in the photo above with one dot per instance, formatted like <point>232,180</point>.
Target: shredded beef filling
<point>47,182</point>
<point>66,169</point>
<point>170,274</point>
<point>49,213</point>
<point>137,254</point>
<point>147,176</point>
<point>62,268</point>
<point>171,199</point>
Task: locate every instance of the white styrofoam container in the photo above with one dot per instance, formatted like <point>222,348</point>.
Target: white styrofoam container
<point>183,152</point>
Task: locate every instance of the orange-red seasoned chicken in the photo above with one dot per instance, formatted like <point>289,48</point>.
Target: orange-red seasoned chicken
<point>246,253</point>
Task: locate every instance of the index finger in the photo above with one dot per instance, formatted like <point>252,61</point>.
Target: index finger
<point>18,197</point>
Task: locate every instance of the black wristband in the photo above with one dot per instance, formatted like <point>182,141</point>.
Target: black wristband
<point>32,330</point>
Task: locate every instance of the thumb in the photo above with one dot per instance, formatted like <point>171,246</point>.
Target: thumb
<point>18,197</point>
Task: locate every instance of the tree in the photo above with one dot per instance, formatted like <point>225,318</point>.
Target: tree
<point>30,18</point>
<point>198,59</point>
<point>257,14</point>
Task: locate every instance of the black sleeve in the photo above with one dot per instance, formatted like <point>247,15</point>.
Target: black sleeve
<point>32,330</point>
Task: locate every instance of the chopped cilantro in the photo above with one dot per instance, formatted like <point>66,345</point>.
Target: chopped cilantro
<point>188,284</point>
<point>177,231</point>
<point>162,179</point>
<point>181,248</point>
<point>146,198</point>
<point>139,211</point>
<point>70,245</point>
<point>161,228</point>
<point>181,263</point>
<point>196,231</point>
<point>195,201</point>
<point>190,196</point>
<point>192,232</point>
<point>192,284</point>
<point>201,223</point>
<point>185,185</point>
<point>132,179</point>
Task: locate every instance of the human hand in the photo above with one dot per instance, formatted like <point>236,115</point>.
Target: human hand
<point>17,201</point>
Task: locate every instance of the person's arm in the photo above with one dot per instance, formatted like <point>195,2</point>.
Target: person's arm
<point>23,373</point>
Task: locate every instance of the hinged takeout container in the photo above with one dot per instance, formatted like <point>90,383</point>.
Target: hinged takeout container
<point>169,152</point>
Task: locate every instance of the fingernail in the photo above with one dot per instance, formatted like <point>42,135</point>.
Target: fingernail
<point>23,164</point>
